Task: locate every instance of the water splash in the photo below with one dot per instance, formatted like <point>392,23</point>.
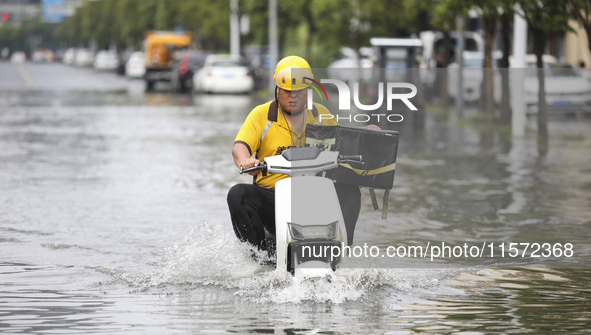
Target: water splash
<point>209,255</point>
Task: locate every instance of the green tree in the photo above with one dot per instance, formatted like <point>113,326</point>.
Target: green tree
<point>545,18</point>
<point>7,33</point>
<point>318,28</point>
<point>290,20</point>
<point>330,23</point>
<point>489,13</point>
<point>214,24</point>
<point>493,11</point>
<point>580,10</point>
<point>506,16</point>
<point>444,18</point>
<point>161,21</point>
<point>124,22</point>
<point>132,20</point>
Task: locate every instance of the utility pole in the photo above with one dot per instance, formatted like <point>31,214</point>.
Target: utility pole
<point>234,28</point>
<point>518,118</point>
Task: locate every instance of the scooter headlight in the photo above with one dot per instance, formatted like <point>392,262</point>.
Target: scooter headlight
<point>299,232</point>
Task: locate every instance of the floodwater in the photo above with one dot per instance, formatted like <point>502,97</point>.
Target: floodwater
<point>113,219</point>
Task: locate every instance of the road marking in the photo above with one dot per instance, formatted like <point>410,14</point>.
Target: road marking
<point>26,76</point>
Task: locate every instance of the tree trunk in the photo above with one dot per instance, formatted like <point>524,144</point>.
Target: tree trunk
<point>539,42</point>
<point>487,79</point>
<point>443,71</point>
<point>505,117</point>
<point>582,15</point>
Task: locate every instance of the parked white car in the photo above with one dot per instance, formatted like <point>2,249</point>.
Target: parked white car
<point>223,74</point>
<point>18,57</point>
<point>106,60</point>
<point>566,89</point>
<point>84,57</point>
<point>136,65</point>
<point>69,56</point>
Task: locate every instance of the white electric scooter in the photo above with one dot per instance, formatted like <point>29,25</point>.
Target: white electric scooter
<point>309,227</point>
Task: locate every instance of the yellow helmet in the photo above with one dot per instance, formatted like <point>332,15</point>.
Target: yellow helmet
<point>291,72</point>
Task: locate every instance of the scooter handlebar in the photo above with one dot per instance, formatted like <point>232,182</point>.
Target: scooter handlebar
<point>261,167</point>
<point>351,158</point>
<point>264,167</point>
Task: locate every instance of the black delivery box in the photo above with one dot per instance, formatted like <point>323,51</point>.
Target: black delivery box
<point>377,148</point>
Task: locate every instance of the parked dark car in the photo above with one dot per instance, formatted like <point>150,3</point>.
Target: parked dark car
<point>181,79</point>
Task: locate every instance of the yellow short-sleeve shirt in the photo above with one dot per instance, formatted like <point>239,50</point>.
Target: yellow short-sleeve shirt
<point>278,137</point>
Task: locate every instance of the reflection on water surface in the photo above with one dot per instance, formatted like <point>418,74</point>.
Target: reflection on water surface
<point>113,219</point>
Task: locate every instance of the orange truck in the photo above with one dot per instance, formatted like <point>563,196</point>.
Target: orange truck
<point>161,48</point>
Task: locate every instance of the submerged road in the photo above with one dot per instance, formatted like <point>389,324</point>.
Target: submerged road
<point>57,76</point>
<point>113,219</point>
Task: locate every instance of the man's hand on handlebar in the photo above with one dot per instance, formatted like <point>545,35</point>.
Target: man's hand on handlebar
<point>248,163</point>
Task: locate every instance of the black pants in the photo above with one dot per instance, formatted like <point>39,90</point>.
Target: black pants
<point>252,210</point>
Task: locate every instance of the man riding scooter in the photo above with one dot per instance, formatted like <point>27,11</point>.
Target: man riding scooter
<point>268,130</point>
